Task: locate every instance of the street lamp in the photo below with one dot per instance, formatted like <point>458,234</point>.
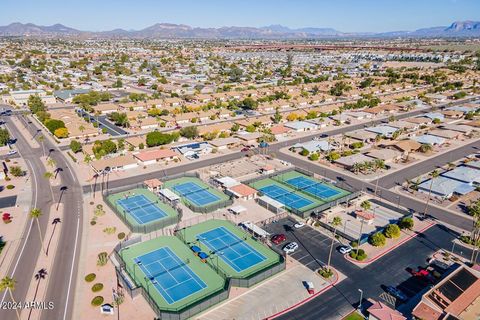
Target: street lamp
<point>361,298</point>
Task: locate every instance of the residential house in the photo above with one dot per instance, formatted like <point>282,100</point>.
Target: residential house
<point>380,311</point>
<point>120,163</point>
<point>429,139</point>
<point>383,130</point>
<point>446,134</point>
<point>225,143</point>
<point>387,155</point>
<point>301,126</point>
<point>149,157</point>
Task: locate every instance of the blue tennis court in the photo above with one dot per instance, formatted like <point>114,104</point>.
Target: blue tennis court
<point>231,249</point>
<point>141,208</point>
<point>172,277</point>
<point>196,194</point>
<point>315,188</point>
<point>285,196</point>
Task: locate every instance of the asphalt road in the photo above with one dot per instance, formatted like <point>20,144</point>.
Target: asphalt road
<point>340,299</point>
<point>23,265</point>
<point>62,275</point>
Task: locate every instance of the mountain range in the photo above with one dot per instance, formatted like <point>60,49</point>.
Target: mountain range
<point>171,31</point>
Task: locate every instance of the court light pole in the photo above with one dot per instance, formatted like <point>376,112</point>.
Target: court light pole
<point>361,298</point>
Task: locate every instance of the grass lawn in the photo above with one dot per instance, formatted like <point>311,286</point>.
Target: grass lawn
<point>354,316</point>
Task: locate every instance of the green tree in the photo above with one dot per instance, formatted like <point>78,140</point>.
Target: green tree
<point>35,214</point>
<point>54,124</point>
<point>4,137</point>
<point>17,171</point>
<point>8,284</point>
<point>277,117</point>
<point>75,146</point>
<point>392,231</point>
<point>406,223</point>
<point>336,222</point>
<point>156,138</point>
<point>190,132</point>
<point>366,205</point>
<point>119,118</point>
<point>434,174</point>
<point>61,133</point>
<point>35,104</point>
<point>377,239</point>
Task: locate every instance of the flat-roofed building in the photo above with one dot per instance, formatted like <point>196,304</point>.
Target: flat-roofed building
<point>119,163</point>
<point>153,156</point>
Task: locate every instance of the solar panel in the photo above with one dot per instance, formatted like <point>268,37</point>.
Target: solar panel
<point>463,279</point>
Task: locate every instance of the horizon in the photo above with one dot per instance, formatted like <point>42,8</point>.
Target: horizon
<point>349,16</point>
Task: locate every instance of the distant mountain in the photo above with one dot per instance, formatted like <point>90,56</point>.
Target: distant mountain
<point>181,31</point>
<point>30,29</point>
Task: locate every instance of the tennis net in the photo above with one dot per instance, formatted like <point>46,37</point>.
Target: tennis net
<point>178,266</point>
<point>188,192</point>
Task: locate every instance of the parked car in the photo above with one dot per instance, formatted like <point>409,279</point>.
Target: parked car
<point>245,149</point>
<point>11,152</point>
<point>290,247</point>
<point>397,293</point>
<point>298,225</point>
<point>278,238</point>
<point>345,249</point>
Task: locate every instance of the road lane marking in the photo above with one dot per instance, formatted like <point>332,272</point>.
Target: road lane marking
<point>71,270</point>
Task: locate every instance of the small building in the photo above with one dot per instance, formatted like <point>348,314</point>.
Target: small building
<point>454,297</point>
<point>434,115</point>
<point>225,182</point>
<point>249,138</point>
<point>301,126</point>
<point>386,131</point>
<point>444,187</point>
<point>313,146</point>
<point>458,127</point>
<point>361,135</point>
<point>452,114</point>
<point>446,134</point>
<point>67,96</point>
<point>193,148</point>
<point>280,131</point>
<point>464,174</point>
<point>387,155</point>
<point>406,147</point>
<point>225,143</point>
<point>380,311</point>
<point>242,191</point>
<point>106,108</point>
<point>350,161</point>
<point>119,163</point>
<point>153,185</point>
<point>429,139</point>
<point>153,156</point>
<point>365,216</point>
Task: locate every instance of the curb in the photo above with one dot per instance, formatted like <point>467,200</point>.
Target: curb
<point>300,303</point>
<point>347,257</point>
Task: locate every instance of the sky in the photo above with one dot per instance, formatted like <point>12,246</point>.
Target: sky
<point>343,15</point>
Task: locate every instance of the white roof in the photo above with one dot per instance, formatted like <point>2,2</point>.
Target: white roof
<point>272,202</point>
<point>227,182</point>
<point>167,193</point>
<point>238,209</point>
<point>255,229</point>
<point>297,125</point>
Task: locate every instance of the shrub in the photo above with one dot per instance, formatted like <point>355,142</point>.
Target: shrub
<point>392,231</point>
<point>110,230</point>
<point>97,301</point>
<point>10,186</point>
<point>326,273</point>
<point>354,244</point>
<point>304,152</point>
<point>75,146</point>
<point>90,277</point>
<point>97,287</point>
<point>377,239</point>
<point>121,235</point>
<point>93,222</point>
<point>314,157</point>
<point>406,223</point>
<point>17,171</point>
<point>102,259</point>
<point>359,256</point>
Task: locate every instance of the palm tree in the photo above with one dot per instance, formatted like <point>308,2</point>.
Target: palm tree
<point>41,139</point>
<point>51,162</point>
<point>36,214</point>
<point>433,175</point>
<point>40,275</point>
<point>54,222</point>
<point>336,222</point>
<point>8,283</point>
<point>366,205</point>
<point>81,128</point>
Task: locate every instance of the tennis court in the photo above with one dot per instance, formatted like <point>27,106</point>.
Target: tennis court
<point>195,193</point>
<point>231,249</point>
<point>314,188</point>
<point>171,276</point>
<point>141,209</point>
<point>285,196</point>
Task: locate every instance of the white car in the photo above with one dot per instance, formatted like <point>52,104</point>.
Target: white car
<point>345,249</point>
<point>298,225</point>
<point>12,152</point>
<point>290,247</point>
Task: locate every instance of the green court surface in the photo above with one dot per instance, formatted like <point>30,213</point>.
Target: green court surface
<point>154,210</point>
<point>169,281</point>
<point>234,243</point>
<point>196,197</point>
<point>291,175</point>
<point>287,190</point>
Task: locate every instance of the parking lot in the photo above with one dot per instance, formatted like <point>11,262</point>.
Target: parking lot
<point>313,246</point>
